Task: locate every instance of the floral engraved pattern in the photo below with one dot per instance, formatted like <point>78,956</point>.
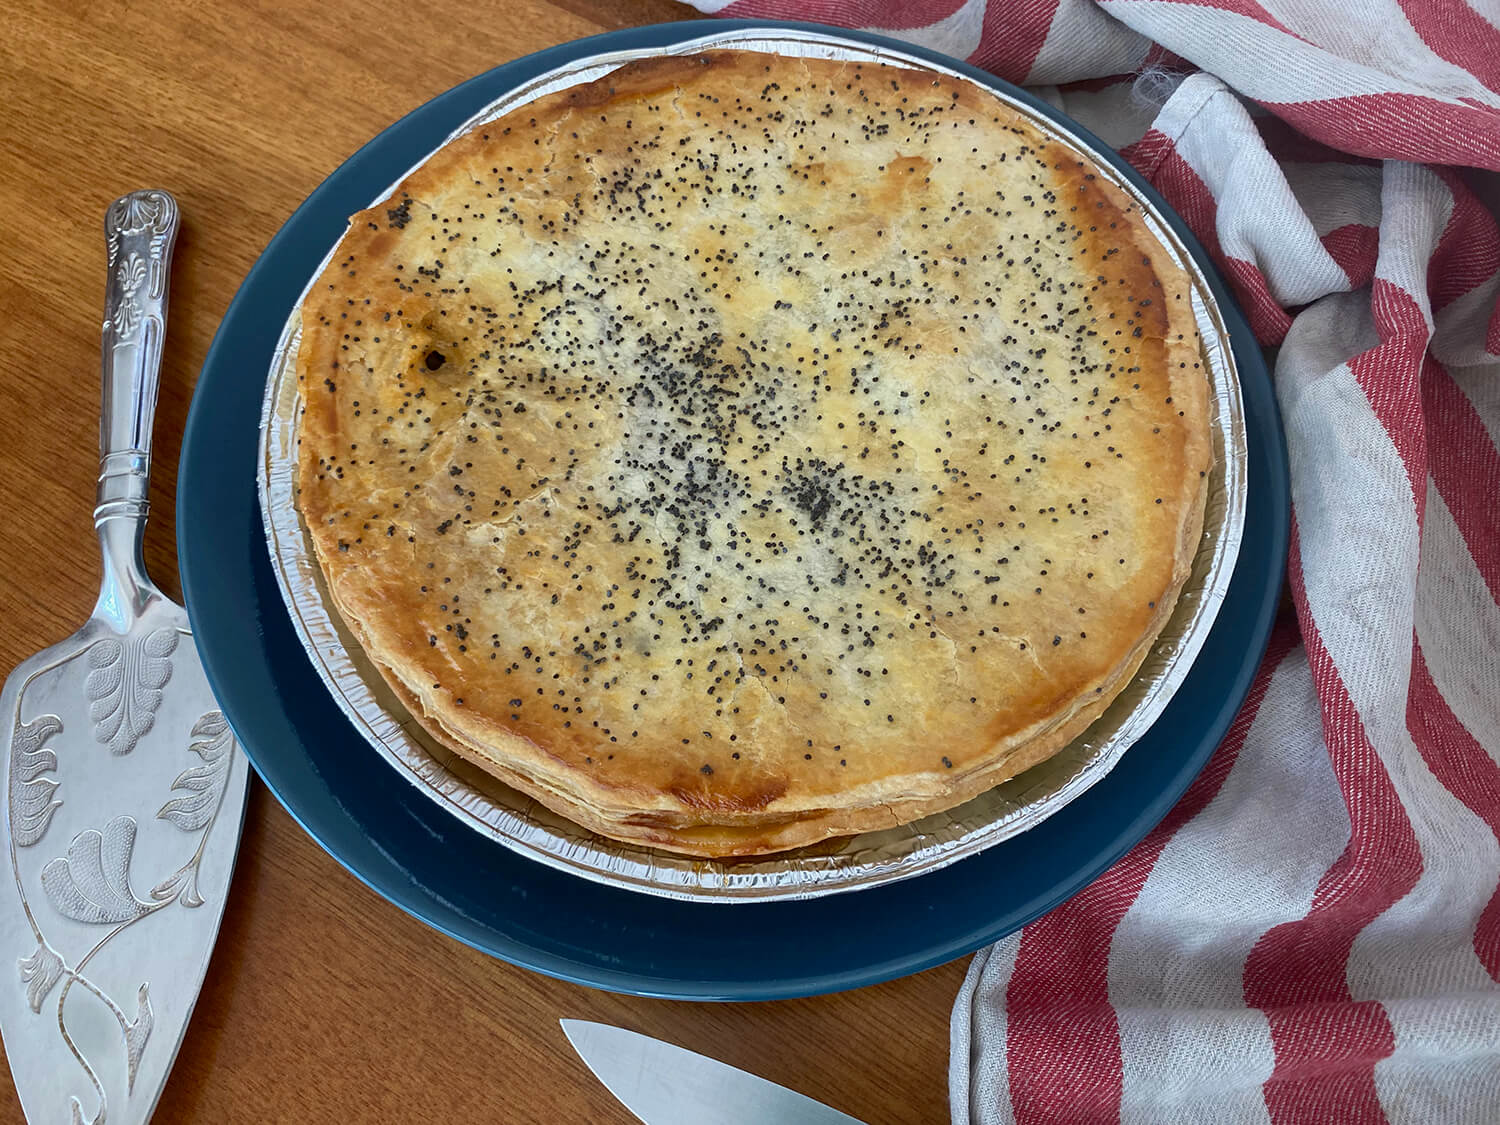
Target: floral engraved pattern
<point>142,210</point>
<point>181,886</point>
<point>204,784</point>
<point>204,787</point>
<point>32,800</point>
<point>93,883</point>
<point>40,972</point>
<point>124,686</point>
<point>132,277</point>
<point>137,1031</point>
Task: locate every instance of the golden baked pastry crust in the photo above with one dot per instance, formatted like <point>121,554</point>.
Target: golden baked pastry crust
<point>739,451</point>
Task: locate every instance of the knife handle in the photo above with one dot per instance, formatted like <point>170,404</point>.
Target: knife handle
<point>140,230</point>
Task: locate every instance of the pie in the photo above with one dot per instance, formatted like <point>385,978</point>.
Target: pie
<point>740,451</point>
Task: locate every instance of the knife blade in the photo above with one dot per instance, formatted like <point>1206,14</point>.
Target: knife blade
<point>125,790</point>
<point>667,1085</point>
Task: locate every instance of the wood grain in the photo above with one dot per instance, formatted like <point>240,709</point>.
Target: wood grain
<point>324,1002</point>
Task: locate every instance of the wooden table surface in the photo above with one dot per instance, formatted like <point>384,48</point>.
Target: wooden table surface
<point>323,1002</point>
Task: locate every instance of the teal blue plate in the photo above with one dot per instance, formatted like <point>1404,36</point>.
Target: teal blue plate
<point>414,853</point>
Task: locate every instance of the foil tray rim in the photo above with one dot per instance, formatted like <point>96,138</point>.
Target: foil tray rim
<point>857,862</point>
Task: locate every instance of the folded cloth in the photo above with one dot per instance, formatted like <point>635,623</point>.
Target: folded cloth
<point>1313,933</point>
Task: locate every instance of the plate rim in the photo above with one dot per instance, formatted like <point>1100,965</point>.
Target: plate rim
<point>201,587</point>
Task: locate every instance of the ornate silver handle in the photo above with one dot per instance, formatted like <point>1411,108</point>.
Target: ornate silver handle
<point>140,230</point>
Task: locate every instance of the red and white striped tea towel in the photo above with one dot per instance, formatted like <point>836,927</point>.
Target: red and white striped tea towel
<point>1313,934</point>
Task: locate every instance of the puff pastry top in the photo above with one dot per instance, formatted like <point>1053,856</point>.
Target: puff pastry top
<point>742,450</point>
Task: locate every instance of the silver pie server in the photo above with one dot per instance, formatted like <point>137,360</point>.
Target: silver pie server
<point>125,790</point>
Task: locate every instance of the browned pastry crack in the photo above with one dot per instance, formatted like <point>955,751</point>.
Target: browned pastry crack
<point>739,451</point>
